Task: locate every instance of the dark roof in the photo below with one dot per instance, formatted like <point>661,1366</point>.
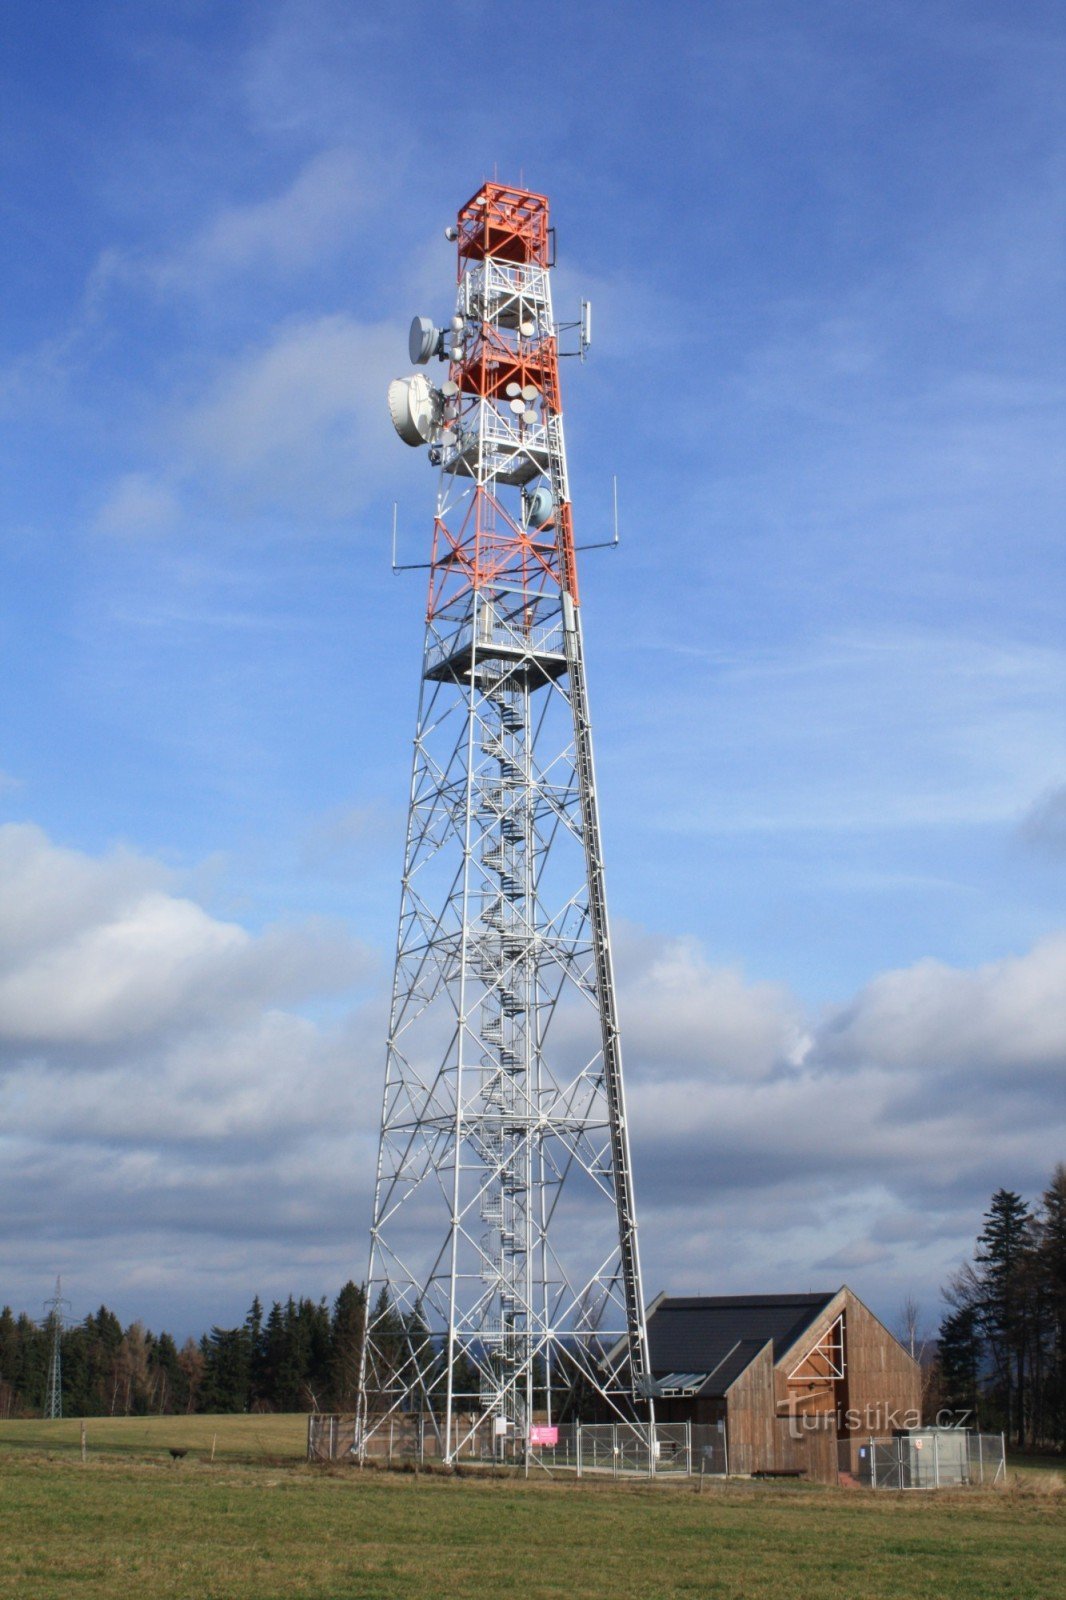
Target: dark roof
<point>721,1334</point>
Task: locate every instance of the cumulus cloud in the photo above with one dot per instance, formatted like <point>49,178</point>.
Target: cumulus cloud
<point>171,1094</point>
<point>684,1014</point>
<point>166,1083</point>
<point>116,957</point>
<point>763,1141</point>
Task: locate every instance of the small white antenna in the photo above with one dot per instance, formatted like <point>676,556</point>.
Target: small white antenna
<point>585,336</point>
<point>607,544</point>
<point>403,566</point>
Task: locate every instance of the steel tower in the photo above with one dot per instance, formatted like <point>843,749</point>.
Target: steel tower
<point>53,1402</point>
<point>504,1276</point>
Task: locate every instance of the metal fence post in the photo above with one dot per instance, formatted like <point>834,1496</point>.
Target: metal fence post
<point>873,1465</point>
<point>688,1449</point>
<point>936,1461</point>
<point>577,1447</point>
<point>980,1460</point>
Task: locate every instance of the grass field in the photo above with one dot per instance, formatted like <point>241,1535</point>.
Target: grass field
<point>256,1439</point>
<point>132,1522</point>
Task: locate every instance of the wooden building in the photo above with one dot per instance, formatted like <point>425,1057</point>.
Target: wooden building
<point>789,1379</point>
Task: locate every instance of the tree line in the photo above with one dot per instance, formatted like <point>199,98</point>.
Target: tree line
<point>1002,1346</point>
<point>301,1355</point>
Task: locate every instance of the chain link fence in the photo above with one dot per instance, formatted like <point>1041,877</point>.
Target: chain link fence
<point>927,1458</point>
<point>608,1449</point>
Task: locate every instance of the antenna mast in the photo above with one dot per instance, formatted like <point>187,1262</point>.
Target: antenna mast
<point>504,1276</point>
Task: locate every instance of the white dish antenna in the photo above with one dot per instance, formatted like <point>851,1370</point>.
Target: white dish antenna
<point>423,341</point>
<point>415,409</point>
<point>540,508</point>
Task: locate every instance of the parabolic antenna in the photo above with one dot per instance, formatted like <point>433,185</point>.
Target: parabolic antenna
<point>422,340</point>
<point>540,508</point>
<point>415,409</point>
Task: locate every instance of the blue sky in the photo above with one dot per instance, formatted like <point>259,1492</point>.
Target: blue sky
<point>824,245</point>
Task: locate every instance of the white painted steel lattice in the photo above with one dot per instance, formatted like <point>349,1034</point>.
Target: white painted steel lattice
<point>504,1261</point>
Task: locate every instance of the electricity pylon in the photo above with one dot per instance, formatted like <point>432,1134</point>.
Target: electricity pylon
<point>504,1273</point>
<point>53,1403</point>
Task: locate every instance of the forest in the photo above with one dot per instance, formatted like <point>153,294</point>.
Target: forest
<point>302,1355</point>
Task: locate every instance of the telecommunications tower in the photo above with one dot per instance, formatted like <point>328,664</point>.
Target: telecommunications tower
<point>504,1276</point>
<point>53,1402</point>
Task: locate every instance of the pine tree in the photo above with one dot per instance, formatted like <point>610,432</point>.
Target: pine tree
<point>258,1397</point>
<point>960,1350</point>
<point>9,1361</point>
<point>346,1338</point>
<point>166,1379</point>
<point>227,1370</point>
<point>1051,1267</point>
<point>1004,1259</point>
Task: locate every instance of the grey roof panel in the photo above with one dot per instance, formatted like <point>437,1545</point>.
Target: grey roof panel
<point>722,1334</point>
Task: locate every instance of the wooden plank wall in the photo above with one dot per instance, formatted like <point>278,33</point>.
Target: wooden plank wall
<point>751,1420</point>
<point>883,1386</point>
<point>884,1382</point>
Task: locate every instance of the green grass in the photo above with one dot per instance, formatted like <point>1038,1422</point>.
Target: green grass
<point>129,1524</point>
<point>235,1438</point>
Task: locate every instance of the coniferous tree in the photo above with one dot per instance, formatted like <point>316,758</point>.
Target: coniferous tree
<point>1051,1267</point>
<point>346,1338</point>
<point>1004,1262</point>
<point>227,1370</point>
<point>166,1377</point>
<point>9,1361</point>
<point>259,1398</point>
<point>960,1354</point>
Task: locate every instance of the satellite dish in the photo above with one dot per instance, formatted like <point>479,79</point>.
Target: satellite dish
<point>513,390</point>
<point>449,388</point>
<point>540,508</point>
<point>415,409</point>
<point>530,392</point>
<point>422,341</point>
<point>518,405</point>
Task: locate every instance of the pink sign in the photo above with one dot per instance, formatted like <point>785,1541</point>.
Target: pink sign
<point>541,1433</point>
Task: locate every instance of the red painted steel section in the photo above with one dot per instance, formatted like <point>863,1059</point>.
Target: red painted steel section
<point>512,226</point>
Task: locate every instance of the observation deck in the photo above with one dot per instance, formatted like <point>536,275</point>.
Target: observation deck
<point>534,656</point>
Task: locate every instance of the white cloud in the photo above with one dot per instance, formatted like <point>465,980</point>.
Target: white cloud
<point>95,952</point>
<point>164,1097</point>
<point>682,1013</point>
<point>137,504</point>
<point>287,232</point>
<point>302,421</point>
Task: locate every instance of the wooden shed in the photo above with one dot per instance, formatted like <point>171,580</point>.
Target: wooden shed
<point>790,1379</point>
